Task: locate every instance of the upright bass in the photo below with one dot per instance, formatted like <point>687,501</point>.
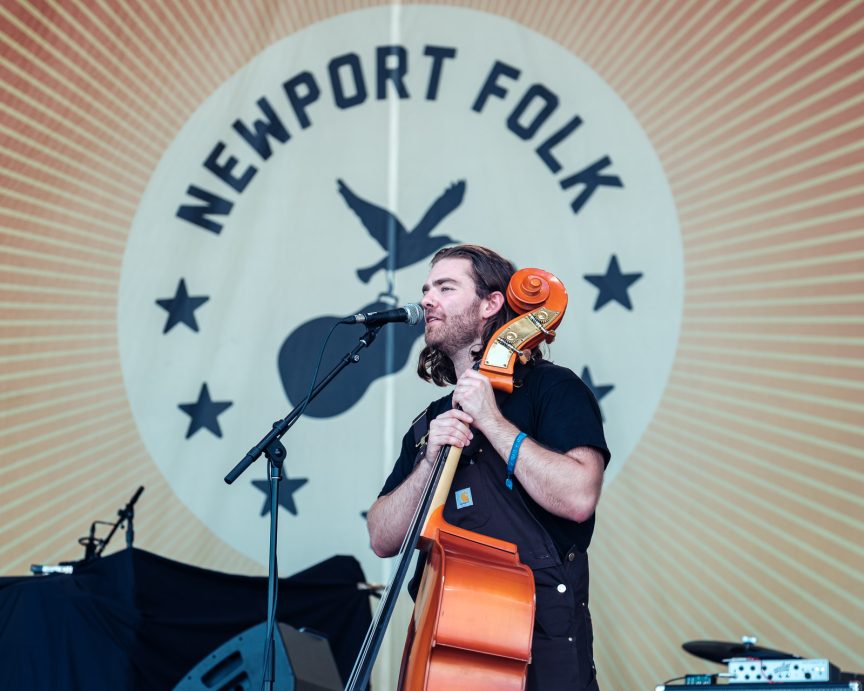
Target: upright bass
<point>474,613</point>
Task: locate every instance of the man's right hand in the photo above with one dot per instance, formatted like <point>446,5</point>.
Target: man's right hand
<point>449,428</point>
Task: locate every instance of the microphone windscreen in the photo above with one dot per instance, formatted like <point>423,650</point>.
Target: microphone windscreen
<point>414,312</point>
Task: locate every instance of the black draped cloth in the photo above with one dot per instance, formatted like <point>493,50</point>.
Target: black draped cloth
<point>135,620</point>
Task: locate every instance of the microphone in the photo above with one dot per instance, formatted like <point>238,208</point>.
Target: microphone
<point>412,314</point>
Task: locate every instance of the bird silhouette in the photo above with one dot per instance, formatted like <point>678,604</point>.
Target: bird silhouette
<point>410,247</point>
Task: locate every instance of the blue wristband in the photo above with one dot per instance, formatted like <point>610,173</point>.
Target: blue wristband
<point>514,454</point>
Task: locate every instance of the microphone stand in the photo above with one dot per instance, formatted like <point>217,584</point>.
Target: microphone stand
<point>90,543</point>
<point>126,514</point>
<point>273,449</point>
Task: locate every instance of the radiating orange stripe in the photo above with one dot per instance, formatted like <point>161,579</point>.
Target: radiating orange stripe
<point>802,311</point>
<point>133,67</point>
<point>699,311</point>
<point>47,166</point>
<point>59,411</point>
<point>82,80</point>
<point>840,196</point>
<point>825,347</point>
<point>734,292</point>
<point>69,385</point>
<point>753,79</point>
<point>827,125</point>
<point>828,462</point>
<point>86,439</point>
<point>806,213</point>
<point>718,566</point>
<point>55,97</point>
<point>660,62</point>
<point>728,475</point>
<point>55,144</point>
<point>767,328</point>
<point>747,535</point>
<point>70,359</point>
<point>54,264</point>
<point>781,368</point>
<point>707,105</point>
<point>58,120</point>
<point>9,275</point>
<point>645,586</point>
<point>31,198</point>
<point>714,502</point>
<point>80,251</point>
<point>37,312</point>
<point>681,486</point>
<point>771,237</point>
<point>178,62</point>
<point>631,39</point>
<point>23,296</point>
<point>823,401</point>
<point>72,420</point>
<point>114,486</point>
<point>102,449</point>
<point>841,171</point>
<point>40,330</point>
<point>57,236</point>
<point>837,267</point>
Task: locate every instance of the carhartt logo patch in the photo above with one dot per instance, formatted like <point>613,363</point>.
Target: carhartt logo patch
<point>464,498</point>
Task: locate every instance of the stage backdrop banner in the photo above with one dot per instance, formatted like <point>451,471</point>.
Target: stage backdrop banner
<point>194,193</point>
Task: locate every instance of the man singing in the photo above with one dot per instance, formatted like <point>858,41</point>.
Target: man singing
<point>551,423</point>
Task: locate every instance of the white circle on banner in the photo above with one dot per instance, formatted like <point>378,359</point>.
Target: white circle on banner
<point>375,115</point>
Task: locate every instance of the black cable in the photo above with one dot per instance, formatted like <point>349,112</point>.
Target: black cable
<point>317,368</point>
<point>669,681</point>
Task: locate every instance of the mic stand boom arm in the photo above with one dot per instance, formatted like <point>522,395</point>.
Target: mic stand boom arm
<point>283,425</point>
<point>126,514</point>
<point>271,446</point>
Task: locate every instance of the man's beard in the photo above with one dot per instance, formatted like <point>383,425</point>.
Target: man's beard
<point>456,331</point>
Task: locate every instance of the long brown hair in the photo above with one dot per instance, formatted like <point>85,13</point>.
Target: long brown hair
<point>491,272</point>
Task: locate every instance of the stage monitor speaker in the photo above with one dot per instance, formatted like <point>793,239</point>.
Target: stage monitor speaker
<point>304,662</point>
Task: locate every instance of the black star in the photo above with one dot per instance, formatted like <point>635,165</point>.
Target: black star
<point>286,493</point>
<point>613,285</point>
<point>181,308</point>
<point>204,413</point>
<point>598,390</point>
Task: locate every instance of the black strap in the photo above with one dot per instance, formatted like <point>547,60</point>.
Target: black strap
<point>420,430</point>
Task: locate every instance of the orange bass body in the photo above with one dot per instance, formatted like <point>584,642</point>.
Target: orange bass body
<point>473,617</point>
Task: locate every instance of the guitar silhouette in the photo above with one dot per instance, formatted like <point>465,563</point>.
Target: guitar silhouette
<point>299,354</point>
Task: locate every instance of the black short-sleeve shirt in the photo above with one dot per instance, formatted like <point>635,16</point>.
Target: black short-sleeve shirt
<point>554,407</point>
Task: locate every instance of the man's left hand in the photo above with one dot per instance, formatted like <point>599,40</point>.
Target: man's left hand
<point>476,397</point>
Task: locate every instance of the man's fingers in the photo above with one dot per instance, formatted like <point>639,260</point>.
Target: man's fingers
<point>452,437</point>
<point>453,432</point>
<point>455,413</point>
<point>451,428</point>
<point>460,425</point>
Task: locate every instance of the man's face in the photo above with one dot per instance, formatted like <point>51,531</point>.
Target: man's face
<point>451,305</point>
